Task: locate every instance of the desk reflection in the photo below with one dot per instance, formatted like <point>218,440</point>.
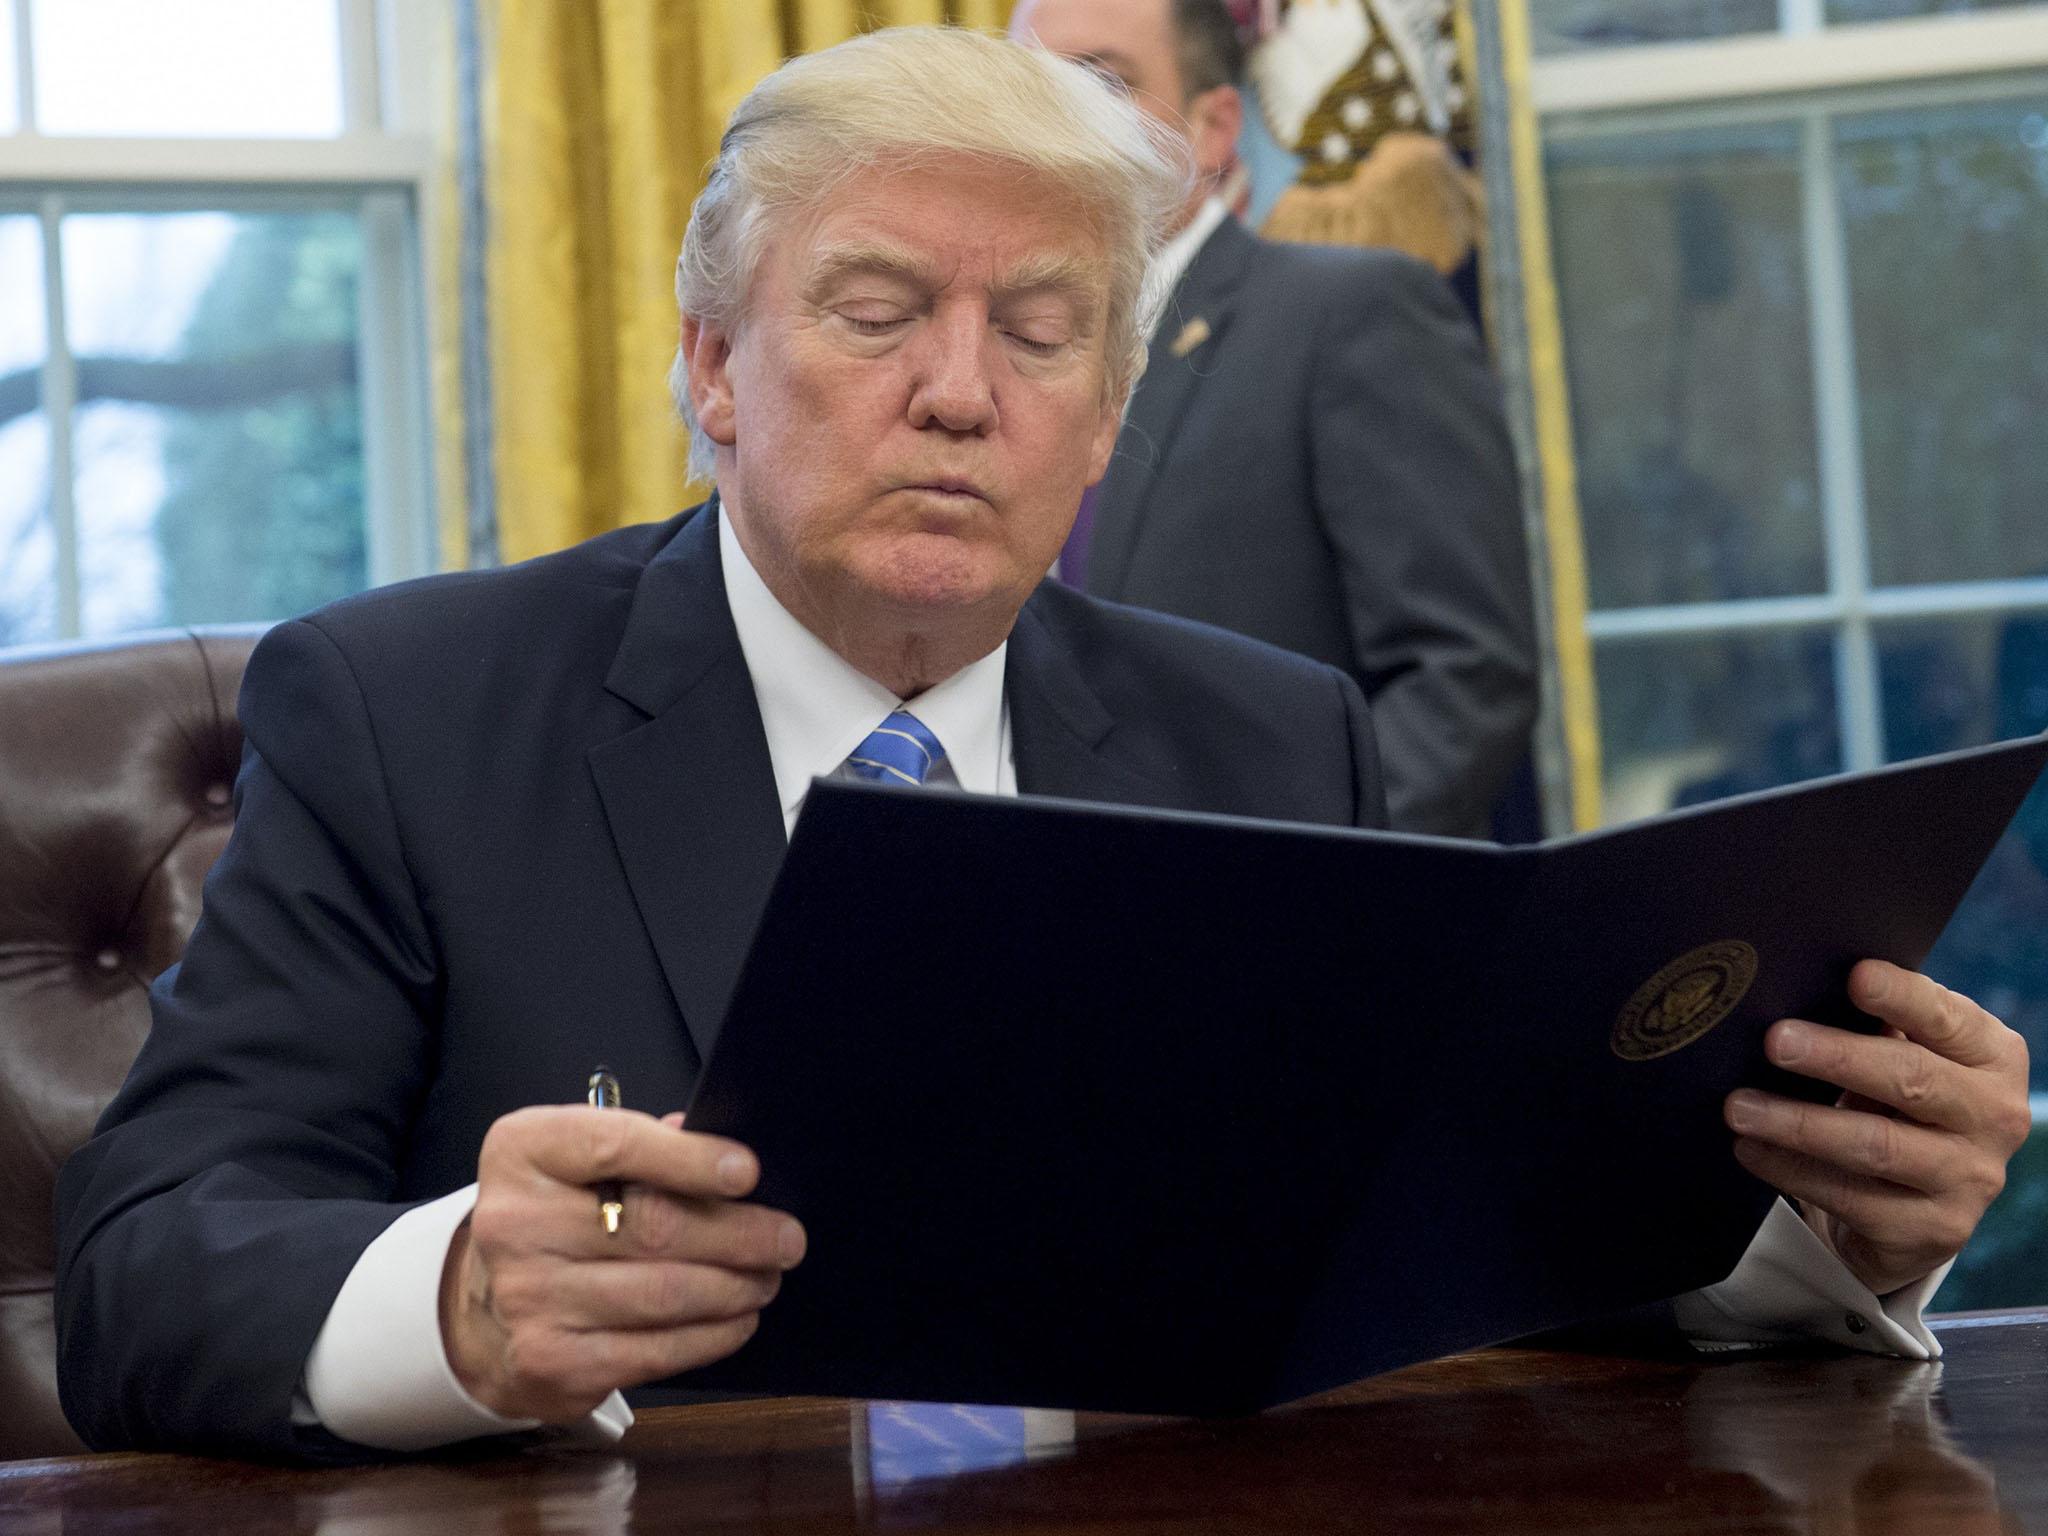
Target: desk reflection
<point>1860,1450</point>
<point>588,1494</point>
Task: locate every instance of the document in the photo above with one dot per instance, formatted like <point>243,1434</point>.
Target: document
<point>1089,1107</point>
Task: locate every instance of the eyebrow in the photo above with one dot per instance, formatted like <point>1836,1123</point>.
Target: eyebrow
<point>838,262</point>
<point>1117,64</point>
<point>1066,275</point>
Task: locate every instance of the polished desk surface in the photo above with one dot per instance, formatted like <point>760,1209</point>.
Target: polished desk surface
<point>1519,1440</point>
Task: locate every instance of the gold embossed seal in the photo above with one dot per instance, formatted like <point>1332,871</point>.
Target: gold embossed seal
<point>1684,1000</point>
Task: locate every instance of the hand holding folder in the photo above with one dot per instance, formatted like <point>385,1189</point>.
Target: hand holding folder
<point>1897,1174</point>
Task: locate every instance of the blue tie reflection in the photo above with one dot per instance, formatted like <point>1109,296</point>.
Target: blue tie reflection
<point>909,1441</point>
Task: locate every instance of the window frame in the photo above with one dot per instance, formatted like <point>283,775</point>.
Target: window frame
<point>1808,73</point>
<point>384,168</point>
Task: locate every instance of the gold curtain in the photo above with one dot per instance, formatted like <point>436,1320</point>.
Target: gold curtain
<point>600,117</point>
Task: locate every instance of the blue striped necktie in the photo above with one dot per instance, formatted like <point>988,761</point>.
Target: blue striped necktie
<point>898,751</point>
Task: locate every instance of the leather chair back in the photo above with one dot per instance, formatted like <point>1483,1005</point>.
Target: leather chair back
<point>117,765</point>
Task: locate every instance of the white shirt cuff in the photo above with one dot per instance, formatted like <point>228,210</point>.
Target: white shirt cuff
<point>1790,1286</point>
<point>379,1374</point>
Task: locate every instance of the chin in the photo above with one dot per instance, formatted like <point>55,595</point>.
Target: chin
<point>939,574</point>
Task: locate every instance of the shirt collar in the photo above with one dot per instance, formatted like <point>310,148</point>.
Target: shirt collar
<point>816,706</point>
<point>1178,254</point>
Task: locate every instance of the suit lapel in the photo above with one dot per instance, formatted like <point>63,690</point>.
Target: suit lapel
<point>690,794</point>
<point>1066,743</point>
<point>1180,356</point>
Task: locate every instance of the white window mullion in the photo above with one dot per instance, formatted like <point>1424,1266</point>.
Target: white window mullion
<point>1801,18</point>
<point>24,67</point>
<point>400,536</point>
<point>60,398</point>
<point>362,107</point>
<point>1840,438</point>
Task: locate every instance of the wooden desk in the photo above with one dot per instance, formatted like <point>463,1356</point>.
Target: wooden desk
<point>1508,1440</point>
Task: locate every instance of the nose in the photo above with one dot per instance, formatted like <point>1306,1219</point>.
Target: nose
<point>953,389</point>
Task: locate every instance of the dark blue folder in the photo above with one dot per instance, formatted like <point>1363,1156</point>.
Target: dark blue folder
<point>1101,1108</point>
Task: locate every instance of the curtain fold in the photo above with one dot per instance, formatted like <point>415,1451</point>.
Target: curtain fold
<point>600,118</point>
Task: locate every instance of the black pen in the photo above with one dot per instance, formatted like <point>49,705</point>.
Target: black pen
<point>611,1199</point>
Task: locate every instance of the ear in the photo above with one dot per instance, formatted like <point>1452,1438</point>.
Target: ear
<point>1104,442</point>
<point>1215,118</point>
<point>709,352</point>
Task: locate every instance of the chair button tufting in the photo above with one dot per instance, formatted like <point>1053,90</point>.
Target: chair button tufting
<point>108,959</point>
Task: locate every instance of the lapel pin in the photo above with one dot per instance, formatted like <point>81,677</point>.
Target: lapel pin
<point>1191,336</point>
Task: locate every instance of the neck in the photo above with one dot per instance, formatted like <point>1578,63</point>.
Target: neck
<point>910,662</point>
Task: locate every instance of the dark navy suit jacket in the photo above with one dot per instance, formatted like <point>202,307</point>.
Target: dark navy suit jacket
<point>493,827</point>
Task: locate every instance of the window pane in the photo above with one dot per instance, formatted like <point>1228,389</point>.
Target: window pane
<point>28,545</point>
<point>1694,718</point>
<point>1683,287</point>
<point>1889,10</point>
<point>1572,26</point>
<point>218,438</point>
<point>203,68</point>
<point>10,95</point>
<point>1946,215</point>
<point>1955,683</point>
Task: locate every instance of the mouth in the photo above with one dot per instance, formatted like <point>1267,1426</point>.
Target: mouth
<point>950,486</point>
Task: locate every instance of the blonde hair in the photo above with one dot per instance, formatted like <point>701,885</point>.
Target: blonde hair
<point>908,94</point>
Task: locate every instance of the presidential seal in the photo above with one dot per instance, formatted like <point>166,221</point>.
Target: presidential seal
<point>1684,1000</point>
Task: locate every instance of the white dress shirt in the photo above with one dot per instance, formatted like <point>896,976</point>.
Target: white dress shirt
<point>378,1374</point>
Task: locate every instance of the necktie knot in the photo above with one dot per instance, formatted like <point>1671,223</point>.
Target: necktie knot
<point>901,750</point>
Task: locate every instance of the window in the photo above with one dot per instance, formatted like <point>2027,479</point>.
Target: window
<point>1800,248</point>
<point>212,403</point>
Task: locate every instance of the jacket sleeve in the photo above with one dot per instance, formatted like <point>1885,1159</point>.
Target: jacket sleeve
<point>1416,490</point>
<point>252,1154</point>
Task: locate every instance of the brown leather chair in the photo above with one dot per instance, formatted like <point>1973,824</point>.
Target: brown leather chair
<point>117,763</point>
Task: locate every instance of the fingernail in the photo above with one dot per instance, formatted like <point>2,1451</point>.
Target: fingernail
<point>1876,982</point>
<point>1745,1109</point>
<point>1789,1042</point>
<point>789,1244</point>
<point>734,1171</point>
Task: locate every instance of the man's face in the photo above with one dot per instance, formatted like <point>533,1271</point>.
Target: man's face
<point>1135,42</point>
<point>1131,40</point>
<point>913,401</point>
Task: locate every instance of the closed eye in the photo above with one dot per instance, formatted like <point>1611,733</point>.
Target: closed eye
<point>1035,347</point>
<point>863,327</point>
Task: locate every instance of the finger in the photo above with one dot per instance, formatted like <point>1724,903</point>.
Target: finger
<point>649,1354</point>
<point>563,1373</point>
<point>633,1294</point>
<point>1883,1071</point>
<point>1901,1221</point>
<point>657,1225</point>
<point>1921,1009</point>
<point>575,1144</point>
<point>673,1119</point>
<point>1896,1152</point>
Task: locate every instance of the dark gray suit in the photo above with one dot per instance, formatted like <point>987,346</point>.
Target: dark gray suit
<point>1328,470</point>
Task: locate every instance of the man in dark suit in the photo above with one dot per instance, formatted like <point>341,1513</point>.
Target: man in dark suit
<point>1315,455</point>
<point>494,827</point>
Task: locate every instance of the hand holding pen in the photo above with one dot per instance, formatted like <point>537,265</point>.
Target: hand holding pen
<point>544,1312</point>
